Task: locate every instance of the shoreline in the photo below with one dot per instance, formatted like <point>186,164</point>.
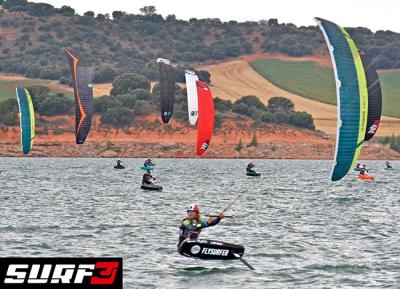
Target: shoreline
<point>184,150</point>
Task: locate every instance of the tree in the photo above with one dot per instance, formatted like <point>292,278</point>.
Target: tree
<point>89,14</point>
<point>8,105</point>
<point>280,103</point>
<point>267,117</point>
<point>204,76</point>
<point>273,22</point>
<point>301,119</point>
<point>241,108</point>
<point>148,10</point>
<point>38,94</point>
<point>104,74</point>
<point>170,18</point>
<point>128,82</point>
<point>251,100</point>
<point>66,11</point>
<point>222,105</point>
<point>100,17</point>
<point>117,116</point>
<point>101,104</point>
<point>55,105</point>
<point>253,142</point>
<point>41,9</point>
<point>117,15</point>
<point>239,146</point>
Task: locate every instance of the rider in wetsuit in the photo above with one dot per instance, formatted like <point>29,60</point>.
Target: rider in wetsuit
<point>250,167</point>
<point>193,224</point>
<point>363,171</point>
<point>148,163</point>
<point>119,165</point>
<point>147,178</point>
<point>388,165</point>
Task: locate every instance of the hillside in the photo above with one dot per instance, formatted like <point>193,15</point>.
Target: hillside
<point>235,78</point>
<point>177,139</point>
<point>9,82</point>
<point>312,81</point>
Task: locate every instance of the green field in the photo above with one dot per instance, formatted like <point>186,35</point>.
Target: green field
<point>7,87</point>
<point>309,80</point>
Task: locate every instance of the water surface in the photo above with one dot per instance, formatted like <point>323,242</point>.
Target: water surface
<point>300,230</point>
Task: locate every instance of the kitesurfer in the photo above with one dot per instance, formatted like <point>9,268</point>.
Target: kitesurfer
<point>119,165</point>
<point>148,163</point>
<point>193,224</point>
<point>363,171</point>
<point>358,167</point>
<point>388,166</point>
<point>147,178</point>
<point>250,167</point>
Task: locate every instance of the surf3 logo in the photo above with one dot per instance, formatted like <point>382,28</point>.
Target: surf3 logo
<point>77,273</point>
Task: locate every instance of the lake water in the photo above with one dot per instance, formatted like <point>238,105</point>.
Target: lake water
<point>299,229</point>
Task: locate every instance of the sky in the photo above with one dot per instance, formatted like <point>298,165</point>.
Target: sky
<point>374,14</point>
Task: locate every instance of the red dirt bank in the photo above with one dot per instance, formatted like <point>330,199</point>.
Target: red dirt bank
<point>151,137</point>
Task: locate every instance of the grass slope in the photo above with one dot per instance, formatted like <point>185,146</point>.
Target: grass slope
<point>7,87</point>
<point>310,81</point>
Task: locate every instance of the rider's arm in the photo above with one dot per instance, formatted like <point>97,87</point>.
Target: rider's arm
<point>212,222</point>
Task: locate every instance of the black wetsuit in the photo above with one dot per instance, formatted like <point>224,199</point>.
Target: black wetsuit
<point>249,168</point>
<point>192,228</point>
<point>146,180</point>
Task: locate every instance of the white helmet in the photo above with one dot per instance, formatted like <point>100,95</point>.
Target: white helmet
<point>194,207</point>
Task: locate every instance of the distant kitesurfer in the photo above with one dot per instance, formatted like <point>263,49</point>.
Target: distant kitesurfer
<point>147,178</point>
<point>250,167</point>
<point>119,165</point>
<point>363,171</point>
<point>193,224</point>
<point>388,165</point>
<point>358,166</point>
<point>148,163</point>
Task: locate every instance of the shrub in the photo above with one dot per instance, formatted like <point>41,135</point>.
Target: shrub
<point>102,104</point>
<point>55,105</point>
<point>128,82</point>
<point>117,116</point>
<point>280,103</point>
<point>222,105</point>
<point>251,100</point>
<point>301,119</point>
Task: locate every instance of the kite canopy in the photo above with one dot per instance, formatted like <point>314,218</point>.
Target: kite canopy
<point>27,119</point>
<point>206,117</point>
<point>167,88</point>
<point>83,91</point>
<point>374,97</point>
<point>193,108</point>
<point>358,99</point>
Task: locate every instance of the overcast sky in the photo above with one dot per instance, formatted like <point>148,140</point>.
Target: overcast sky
<point>374,14</point>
